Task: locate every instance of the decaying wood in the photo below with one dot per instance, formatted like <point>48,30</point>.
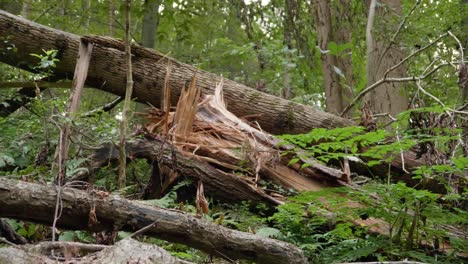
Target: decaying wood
<point>124,251</point>
<point>227,186</point>
<point>207,131</point>
<point>274,114</point>
<point>81,71</point>
<point>34,202</point>
<point>215,139</point>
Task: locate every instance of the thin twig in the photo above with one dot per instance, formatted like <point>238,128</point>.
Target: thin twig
<point>418,84</point>
<point>4,240</point>
<point>414,54</point>
<point>402,156</point>
<point>105,108</point>
<point>385,80</point>
<point>45,11</point>
<point>400,27</point>
<point>144,229</point>
<point>462,59</point>
<point>57,212</point>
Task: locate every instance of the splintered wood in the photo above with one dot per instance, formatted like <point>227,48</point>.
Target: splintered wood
<point>202,128</point>
<point>81,72</point>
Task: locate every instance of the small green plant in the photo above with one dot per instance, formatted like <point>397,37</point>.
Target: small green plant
<point>322,224</point>
<point>354,141</point>
<point>47,62</point>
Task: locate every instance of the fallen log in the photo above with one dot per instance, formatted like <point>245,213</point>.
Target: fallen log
<point>124,251</point>
<point>36,203</point>
<point>229,152</point>
<point>275,114</point>
<point>227,186</point>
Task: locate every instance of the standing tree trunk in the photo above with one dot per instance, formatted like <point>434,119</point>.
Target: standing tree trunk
<point>150,23</point>
<point>245,13</point>
<point>463,77</point>
<point>390,97</point>
<point>290,9</point>
<point>86,4</point>
<point>148,36</point>
<point>336,95</point>
<point>26,10</point>
<point>343,28</point>
<point>111,18</point>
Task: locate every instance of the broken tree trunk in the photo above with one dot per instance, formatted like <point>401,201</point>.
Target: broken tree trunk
<point>275,115</point>
<point>227,186</point>
<point>106,73</point>
<point>34,202</point>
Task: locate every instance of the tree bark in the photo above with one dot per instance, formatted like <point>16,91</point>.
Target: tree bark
<point>277,115</point>
<point>337,96</point>
<point>111,18</point>
<point>223,185</point>
<point>34,202</point>
<point>390,97</point>
<point>150,23</point>
<point>123,252</point>
<point>26,9</point>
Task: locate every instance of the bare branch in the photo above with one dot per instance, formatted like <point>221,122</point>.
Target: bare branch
<point>462,59</point>
<point>414,54</point>
<point>400,27</point>
<point>386,80</point>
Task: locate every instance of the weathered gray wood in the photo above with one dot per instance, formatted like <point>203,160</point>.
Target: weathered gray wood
<point>276,115</point>
<point>79,78</point>
<point>124,251</point>
<point>35,202</point>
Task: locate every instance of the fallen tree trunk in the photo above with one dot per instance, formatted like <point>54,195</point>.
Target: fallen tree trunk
<point>34,202</point>
<point>275,114</point>
<point>228,186</point>
<point>124,251</point>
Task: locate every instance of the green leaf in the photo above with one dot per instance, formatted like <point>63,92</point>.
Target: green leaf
<point>293,161</point>
<point>67,236</point>
<point>268,232</point>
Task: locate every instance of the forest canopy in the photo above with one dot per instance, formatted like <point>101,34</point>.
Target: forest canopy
<point>218,131</point>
